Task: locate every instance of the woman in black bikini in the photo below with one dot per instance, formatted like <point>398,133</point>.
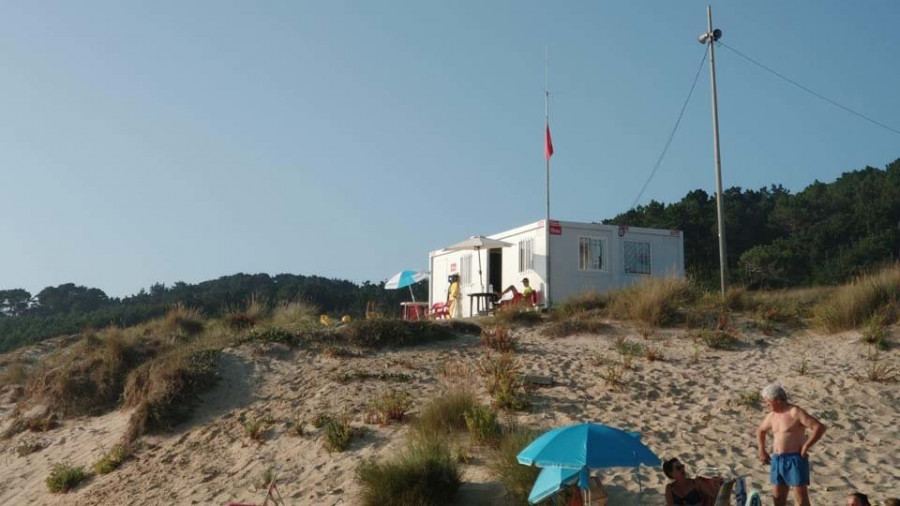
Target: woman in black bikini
<point>684,491</point>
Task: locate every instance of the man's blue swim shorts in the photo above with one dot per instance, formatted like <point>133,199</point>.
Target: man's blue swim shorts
<point>789,469</point>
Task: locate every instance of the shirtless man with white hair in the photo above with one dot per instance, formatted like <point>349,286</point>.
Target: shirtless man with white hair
<point>790,446</point>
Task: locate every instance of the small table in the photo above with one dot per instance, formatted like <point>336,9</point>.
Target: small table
<point>482,301</point>
<point>413,310</point>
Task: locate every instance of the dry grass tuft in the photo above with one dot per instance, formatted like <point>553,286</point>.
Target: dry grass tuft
<point>445,414</point>
<point>517,315</point>
<point>181,320</point>
<point>503,380</point>
<point>294,316</point>
<point>498,338</point>
<point>503,465</point>
<point>587,302</point>
<point>391,406</point>
<point>654,301</point>
<point>253,313</point>
<point>853,304</point>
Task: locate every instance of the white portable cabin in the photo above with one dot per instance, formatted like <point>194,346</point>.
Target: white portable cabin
<point>583,257</point>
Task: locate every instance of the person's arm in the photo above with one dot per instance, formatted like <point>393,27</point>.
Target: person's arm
<point>761,432</point>
<point>670,501</point>
<point>708,486</point>
<point>817,428</point>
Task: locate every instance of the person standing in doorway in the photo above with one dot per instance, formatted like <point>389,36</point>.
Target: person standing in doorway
<point>453,295</point>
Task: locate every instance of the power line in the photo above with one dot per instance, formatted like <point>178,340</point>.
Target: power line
<point>804,88</point>
<point>672,134</point>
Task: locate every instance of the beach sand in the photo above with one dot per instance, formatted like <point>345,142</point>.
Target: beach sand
<point>685,406</point>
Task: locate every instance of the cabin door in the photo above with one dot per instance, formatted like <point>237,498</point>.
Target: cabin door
<point>495,270</point>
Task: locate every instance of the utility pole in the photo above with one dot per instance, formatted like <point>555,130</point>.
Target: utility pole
<point>548,152</point>
<point>709,38</point>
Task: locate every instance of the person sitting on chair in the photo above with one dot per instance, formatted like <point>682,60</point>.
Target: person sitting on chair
<point>516,295</point>
<point>686,491</point>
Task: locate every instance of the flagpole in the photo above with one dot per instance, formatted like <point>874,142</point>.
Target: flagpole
<point>547,170</point>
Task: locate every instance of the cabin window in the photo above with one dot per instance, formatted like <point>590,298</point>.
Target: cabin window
<point>637,257</point>
<point>465,269</point>
<point>591,254</point>
<point>526,255</point>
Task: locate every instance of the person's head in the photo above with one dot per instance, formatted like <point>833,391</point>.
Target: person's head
<point>673,469</point>
<point>525,281</point>
<point>857,499</point>
<point>453,278</point>
<point>774,396</point>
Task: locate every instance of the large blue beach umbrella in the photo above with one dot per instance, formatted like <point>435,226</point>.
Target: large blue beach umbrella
<point>405,278</point>
<point>587,446</point>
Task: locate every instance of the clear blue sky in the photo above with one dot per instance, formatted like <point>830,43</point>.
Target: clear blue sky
<point>181,141</point>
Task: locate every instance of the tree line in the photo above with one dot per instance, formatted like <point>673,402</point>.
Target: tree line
<point>825,234</point>
<point>69,308</point>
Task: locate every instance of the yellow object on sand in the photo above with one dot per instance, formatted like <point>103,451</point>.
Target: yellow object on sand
<point>346,318</point>
<point>324,320</point>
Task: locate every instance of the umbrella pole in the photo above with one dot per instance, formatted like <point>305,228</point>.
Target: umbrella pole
<point>411,293</point>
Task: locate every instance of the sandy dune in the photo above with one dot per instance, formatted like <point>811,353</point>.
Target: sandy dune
<point>684,406</point>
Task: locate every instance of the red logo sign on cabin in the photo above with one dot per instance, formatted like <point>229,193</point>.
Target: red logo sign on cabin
<point>555,228</point>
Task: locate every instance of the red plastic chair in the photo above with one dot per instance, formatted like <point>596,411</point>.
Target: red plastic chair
<point>439,310</point>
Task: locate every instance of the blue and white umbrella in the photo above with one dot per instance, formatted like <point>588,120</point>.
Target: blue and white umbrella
<point>405,278</point>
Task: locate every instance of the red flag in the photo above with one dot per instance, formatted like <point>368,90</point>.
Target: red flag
<point>548,144</point>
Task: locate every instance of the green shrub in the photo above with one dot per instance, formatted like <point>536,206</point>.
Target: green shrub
<point>256,428</point>
<point>111,460</point>
<point>391,406</point>
<point>855,303</point>
<point>27,447</point>
<point>628,348</point>
<point>338,434</point>
<point>503,464</point>
<point>446,413</point>
<point>484,428</point>
<point>321,419</point>
<point>874,332</point>
<point>424,474</point>
<point>64,477</point>
<point>749,398</point>
<point>498,338</point>
<point>503,380</point>
<point>717,339</point>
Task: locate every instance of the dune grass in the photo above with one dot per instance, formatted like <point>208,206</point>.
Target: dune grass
<point>423,474</point>
<point>164,391</point>
<point>654,301</point>
<point>446,413</point>
<point>65,477</point>
<point>503,465</point>
<point>853,304</point>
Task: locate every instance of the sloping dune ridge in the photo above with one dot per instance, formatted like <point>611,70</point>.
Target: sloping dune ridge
<point>686,405</point>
